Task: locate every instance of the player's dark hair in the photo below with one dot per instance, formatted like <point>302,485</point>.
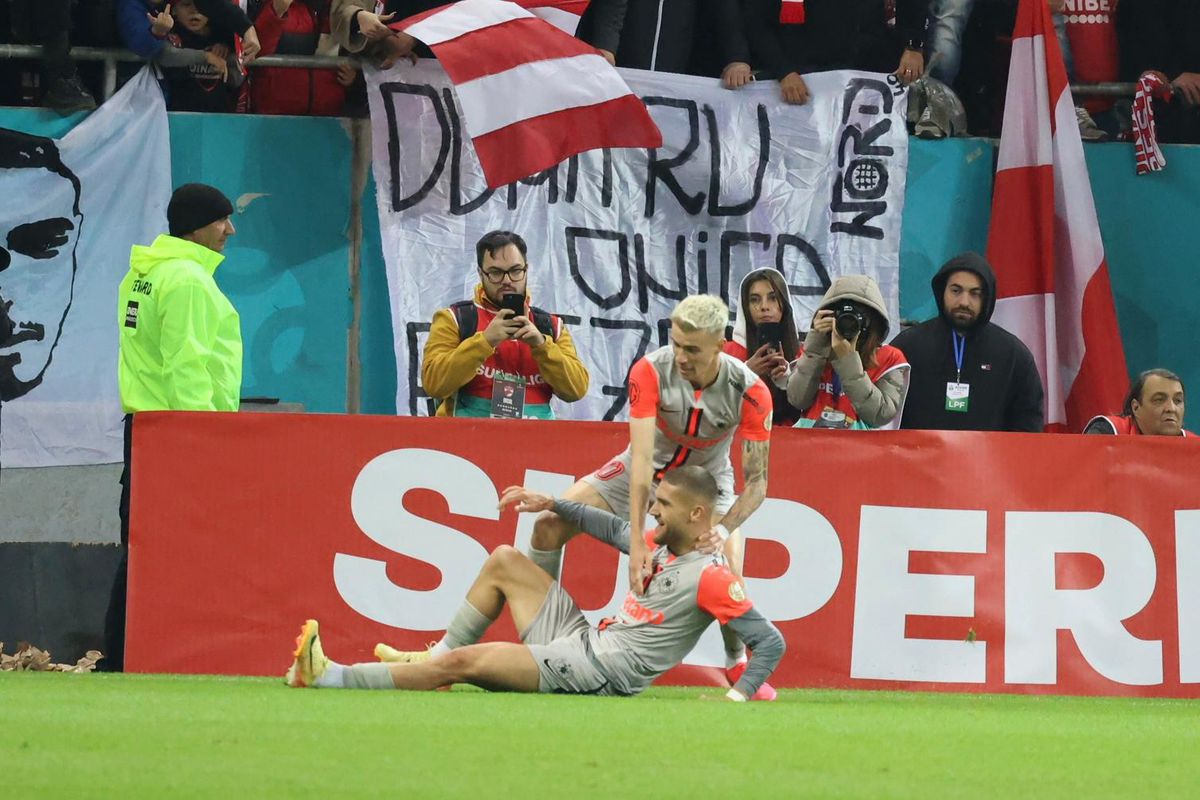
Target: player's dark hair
<point>1139,385</point>
<point>24,151</point>
<point>494,241</point>
<point>696,481</point>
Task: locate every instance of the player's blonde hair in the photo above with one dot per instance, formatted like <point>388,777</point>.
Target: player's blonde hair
<point>702,312</point>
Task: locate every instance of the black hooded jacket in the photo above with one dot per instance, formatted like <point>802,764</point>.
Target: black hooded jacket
<point>1005,388</point>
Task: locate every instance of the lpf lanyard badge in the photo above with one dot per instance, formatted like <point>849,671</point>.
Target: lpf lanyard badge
<point>958,394</point>
<point>508,397</point>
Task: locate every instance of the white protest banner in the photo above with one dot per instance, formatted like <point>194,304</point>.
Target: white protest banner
<point>73,207</point>
<point>617,237</point>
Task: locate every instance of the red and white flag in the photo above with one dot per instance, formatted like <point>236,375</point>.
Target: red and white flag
<point>532,95</point>
<point>562,14</point>
<point>1053,288</point>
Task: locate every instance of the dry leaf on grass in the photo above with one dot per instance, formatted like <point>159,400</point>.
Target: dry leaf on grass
<point>85,664</point>
<point>32,659</point>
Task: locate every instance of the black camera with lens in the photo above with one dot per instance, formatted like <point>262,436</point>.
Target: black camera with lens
<point>849,319</point>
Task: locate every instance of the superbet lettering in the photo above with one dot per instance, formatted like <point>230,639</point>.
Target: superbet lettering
<point>1075,6</point>
<point>886,592</point>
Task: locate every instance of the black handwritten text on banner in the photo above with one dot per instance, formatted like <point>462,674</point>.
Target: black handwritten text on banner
<point>617,237</point>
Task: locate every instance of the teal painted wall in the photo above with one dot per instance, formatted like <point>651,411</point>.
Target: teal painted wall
<point>1151,230</point>
<point>947,202</point>
<point>287,269</point>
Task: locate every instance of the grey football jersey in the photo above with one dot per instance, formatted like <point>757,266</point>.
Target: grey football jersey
<point>653,633</point>
<point>638,644</point>
<point>697,427</point>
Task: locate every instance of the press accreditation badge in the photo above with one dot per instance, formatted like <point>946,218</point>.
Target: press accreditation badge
<point>831,418</point>
<point>957,396</point>
<point>508,397</point>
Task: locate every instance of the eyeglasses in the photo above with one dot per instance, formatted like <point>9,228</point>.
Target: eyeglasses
<point>512,273</point>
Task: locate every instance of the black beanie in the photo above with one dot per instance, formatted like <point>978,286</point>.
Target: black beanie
<point>195,205</point>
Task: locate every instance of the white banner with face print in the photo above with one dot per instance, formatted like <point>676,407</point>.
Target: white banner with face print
<point>617,237</point>
<point>71,209</point>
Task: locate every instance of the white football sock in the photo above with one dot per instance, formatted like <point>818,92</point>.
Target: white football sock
<point>332,678</point>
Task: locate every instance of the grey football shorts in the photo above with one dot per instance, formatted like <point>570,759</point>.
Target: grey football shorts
<point>557,638</point>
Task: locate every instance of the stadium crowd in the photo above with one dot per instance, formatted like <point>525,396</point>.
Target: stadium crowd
<point>949,46</point>
<point>495,354</point>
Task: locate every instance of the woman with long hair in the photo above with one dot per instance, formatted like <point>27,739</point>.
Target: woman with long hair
<point>846,376</point>
<point>765,337</point>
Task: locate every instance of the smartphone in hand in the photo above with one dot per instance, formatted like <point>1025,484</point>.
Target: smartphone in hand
<point>771,333</point>
<point>513,302</point>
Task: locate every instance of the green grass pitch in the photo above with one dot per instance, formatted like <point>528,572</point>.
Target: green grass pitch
<point>181,736</point>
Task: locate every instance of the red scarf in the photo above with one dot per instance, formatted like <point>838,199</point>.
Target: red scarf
<point>791,12</point>
<point>1150,156</point>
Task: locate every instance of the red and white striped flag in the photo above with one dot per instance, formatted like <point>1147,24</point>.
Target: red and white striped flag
<point>1053,289</point>
<point>532,95</point>
<point>562,14</point>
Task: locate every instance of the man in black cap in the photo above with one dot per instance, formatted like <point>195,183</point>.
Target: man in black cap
<point>180,340</point>
<point>968,373</point>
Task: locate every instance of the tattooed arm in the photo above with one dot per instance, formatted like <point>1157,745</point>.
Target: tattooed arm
<point>755,455</point>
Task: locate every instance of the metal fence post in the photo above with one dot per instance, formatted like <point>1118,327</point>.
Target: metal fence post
<point>110,77</point>
<point>360,165</point>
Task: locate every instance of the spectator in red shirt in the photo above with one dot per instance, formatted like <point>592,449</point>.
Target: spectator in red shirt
<point>298,27</point>
<point>1153,407</point>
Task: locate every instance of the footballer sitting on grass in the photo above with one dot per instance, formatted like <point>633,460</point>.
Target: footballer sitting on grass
<point>560,652</point>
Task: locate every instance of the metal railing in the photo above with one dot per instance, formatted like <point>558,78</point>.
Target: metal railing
<point>111,57</point>
<point>1104,89</point>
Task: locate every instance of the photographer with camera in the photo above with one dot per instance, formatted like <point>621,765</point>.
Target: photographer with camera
<point>969,374</point>
<point>764,336</point>
<point>846,376</point>
<point>497,355</point>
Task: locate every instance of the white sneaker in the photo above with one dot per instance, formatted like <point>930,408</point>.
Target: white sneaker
<point>1089,131</point>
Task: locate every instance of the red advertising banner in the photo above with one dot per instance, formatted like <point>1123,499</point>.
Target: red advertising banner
<point>916,560</point>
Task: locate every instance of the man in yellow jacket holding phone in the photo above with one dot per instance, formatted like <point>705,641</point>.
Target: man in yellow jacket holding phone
<point>181,341</point>
<point>496,355</point>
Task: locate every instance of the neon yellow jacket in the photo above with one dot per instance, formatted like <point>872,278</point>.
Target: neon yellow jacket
<point>181,339</point>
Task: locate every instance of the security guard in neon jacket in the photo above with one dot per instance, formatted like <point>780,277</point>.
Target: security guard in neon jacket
<point>181,340</point>
<point>180,343</point>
